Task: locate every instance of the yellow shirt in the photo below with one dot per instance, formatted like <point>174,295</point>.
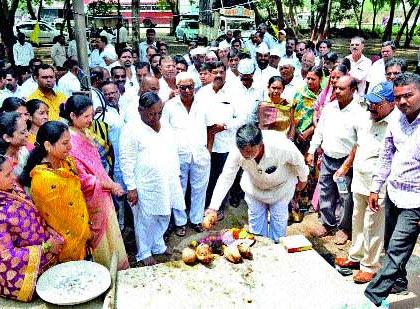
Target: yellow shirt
<point>53,101</point>
<point>58,197</point>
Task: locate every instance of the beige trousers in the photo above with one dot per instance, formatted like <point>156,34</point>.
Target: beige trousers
<point>367,233</point>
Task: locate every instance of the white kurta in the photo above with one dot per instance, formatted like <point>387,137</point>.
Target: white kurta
<point>68,84</point>
<point>149,163</point>
<point>280,154</point>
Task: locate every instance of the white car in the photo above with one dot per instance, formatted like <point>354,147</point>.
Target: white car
<point>46,34</point>
<point>187,30</point>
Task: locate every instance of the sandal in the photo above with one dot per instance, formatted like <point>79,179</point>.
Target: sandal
<point>181,231</point>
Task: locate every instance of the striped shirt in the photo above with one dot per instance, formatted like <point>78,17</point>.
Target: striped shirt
<point>399,163</point>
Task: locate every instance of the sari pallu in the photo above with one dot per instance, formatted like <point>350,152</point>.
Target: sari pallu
<point>58,197</point>
<point>22,232</point>
<point>106,236</point>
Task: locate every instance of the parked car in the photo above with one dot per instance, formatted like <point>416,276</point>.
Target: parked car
<point>187,30</point>
<point>46,35</point>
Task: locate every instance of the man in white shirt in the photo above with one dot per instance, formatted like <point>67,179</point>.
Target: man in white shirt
<point>360,64</point>
<point>125,60</point>
<point>121,34</point>
<point>184,116</point>
<point>232,74</point>
<point>263,71</point>
<point>167,82</point>
<point>223,116</point>
<point>292,83</point>
<point>70,83</point>
<point>150,41</point>
<point>30,85</point>
<point>368,226</point>
<point>95,58</point>
<point>111,116</point>
<point>58,51</point>
<point>150,166</point>
<point>245,89</point>
<point>377,72</point>
<point>72,48</point>
<point>23,51</point>
<point>273,169</point>
<point>336,134</point>
<point>11,87</point>
<point>198,57</point>
<point>275,56</point>
<point>129,102</point>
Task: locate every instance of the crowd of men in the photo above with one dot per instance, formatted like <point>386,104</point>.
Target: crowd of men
<point>185,130</point>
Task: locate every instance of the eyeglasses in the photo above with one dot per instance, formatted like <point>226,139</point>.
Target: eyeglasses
<point>185,87</point>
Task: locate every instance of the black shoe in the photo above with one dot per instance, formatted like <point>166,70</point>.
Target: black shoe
<point>197,227</point>
<point>220,215</point>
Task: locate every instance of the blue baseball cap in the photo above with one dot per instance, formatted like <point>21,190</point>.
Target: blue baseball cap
<point>382,91</point>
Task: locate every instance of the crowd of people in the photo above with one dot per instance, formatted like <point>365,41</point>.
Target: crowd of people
<point>288,126</point>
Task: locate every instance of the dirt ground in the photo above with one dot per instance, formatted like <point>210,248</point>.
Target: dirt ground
<point>237,217</point>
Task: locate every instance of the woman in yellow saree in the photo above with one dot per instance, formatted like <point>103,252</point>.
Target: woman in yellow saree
<point>55,189</point>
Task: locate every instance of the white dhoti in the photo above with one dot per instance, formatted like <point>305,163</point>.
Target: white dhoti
<point>149,230</point>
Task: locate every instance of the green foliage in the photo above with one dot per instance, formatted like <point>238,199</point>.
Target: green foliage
<point>102,7</point>
<point>163,5</point>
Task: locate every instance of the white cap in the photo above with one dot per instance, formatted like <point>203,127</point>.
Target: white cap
<point>263,49</point>
<point>282,32</point>
<point>198,51</point>
<point>224,45</point>
<point>211,54</point>
<point>275,52</point>
<point>286,61</point>
<point>246,66</point>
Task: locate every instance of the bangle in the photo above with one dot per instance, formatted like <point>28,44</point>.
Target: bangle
<point>46,247</point>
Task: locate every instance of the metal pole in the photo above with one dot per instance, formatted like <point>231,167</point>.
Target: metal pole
<point>81,41</point>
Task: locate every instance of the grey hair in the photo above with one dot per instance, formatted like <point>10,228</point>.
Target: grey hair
<point>148,99</point>
<point>362,40</point>
<point>407,78</point>
<point>389,43</point>
<point>396,61</point>
<point>248,135</point>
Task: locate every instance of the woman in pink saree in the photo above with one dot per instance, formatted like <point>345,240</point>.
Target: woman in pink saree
<point>97,186</point>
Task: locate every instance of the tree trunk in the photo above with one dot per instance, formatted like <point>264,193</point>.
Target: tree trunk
<point>409,38</point>
<point>39,10</point>
<point>312,14</point>
<point>324,34</point>
<point>375,12</point>
<point>280,15</point>
<point>6,26</point>
<point>404,25</point>
<point>30,9</point>
<point>135,25</point>
<point>314,33</point>
<point>360,15</point>
<point>175,11</point>
<point>388,29</point>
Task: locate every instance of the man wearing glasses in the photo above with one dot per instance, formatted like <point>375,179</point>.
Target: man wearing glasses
<point>183,114</point>
<point>368,225</point>
<point>399,167</point>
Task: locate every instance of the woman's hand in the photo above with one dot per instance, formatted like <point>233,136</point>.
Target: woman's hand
<point>117,190</point>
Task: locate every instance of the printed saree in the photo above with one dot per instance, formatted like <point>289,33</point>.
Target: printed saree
<point>22,233</point>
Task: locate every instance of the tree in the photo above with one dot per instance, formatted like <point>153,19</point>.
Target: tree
<point>405,24</point>
<point>376,6</point>
<point>136,25</point>
<point>30,9</point>
<point>7,20</point>
<point>388,28</point>
<point>410,35</point>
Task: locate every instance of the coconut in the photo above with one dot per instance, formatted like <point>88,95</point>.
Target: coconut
<point>189,256</point>
<point>204,253</point>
